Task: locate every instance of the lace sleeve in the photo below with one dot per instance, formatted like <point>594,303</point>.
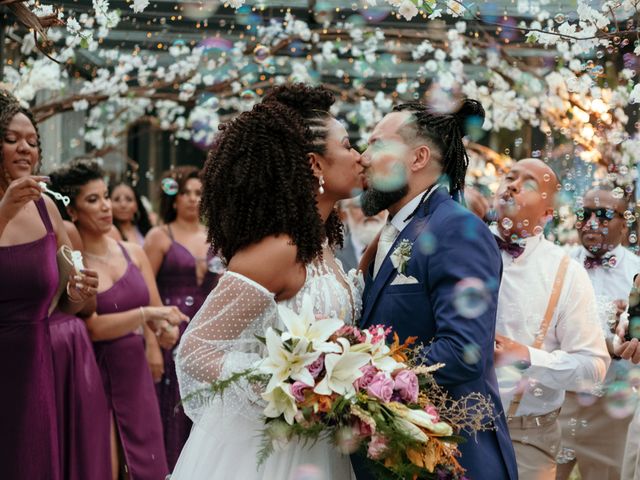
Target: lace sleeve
<point>220,340</point>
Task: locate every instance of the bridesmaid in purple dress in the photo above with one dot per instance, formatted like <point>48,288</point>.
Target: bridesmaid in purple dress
<point>185,273</point>
<point>129,215</point>
<point>31,231</point>
<point>128,316</point>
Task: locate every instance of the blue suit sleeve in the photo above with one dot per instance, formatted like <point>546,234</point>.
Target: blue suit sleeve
<point>465,249</point>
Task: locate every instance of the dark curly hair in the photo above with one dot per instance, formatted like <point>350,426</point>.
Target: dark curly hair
<point>9,108</point>
<point>181,174</point>
<point>142,220</point>
<point>69,179</point>
<point>258,180</point>
<point>445,131</point>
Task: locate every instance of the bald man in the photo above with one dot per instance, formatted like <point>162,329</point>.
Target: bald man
<point>571,354</point>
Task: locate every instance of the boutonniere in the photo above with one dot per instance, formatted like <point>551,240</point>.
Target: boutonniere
<point>401,255</point>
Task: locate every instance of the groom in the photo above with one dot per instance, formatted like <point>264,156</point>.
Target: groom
<point>437,268</point>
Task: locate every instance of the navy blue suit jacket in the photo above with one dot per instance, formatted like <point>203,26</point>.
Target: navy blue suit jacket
<point>449,244</point>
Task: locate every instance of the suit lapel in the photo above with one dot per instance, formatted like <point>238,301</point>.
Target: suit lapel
<point>410,233</point>
<point>373,287</point>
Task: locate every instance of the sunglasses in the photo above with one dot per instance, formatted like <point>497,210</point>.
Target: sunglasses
<point>600,213</point>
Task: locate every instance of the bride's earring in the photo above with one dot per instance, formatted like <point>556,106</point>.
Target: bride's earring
<point>321,182</point>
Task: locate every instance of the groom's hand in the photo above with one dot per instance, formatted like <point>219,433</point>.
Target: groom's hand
<point>510,352</point>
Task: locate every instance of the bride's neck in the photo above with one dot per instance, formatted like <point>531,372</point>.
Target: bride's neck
<point>325,207</point>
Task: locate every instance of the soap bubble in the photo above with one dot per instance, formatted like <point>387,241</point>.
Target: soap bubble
<point>387,170</point>
<point>261,53</point>
<point>507,223</point>
<point>170,186</point>
<point>471,297</point>
<point>427,243</point>
<point>216,266</point>
<point>307,472</point>
<point>620,400</point>
<point>471,354</point>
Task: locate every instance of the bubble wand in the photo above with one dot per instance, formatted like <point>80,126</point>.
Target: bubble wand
<point>58,196</point>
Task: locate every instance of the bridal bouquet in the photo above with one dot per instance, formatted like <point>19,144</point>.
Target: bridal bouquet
<point>324,379</point>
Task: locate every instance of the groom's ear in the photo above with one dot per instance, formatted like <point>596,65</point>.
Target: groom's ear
<point>421,159</point>
<point>316,165</point>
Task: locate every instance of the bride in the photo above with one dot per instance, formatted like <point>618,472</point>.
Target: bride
<point>269,190</point>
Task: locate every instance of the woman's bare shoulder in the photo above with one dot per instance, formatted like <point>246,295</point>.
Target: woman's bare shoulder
<point>272,262</point>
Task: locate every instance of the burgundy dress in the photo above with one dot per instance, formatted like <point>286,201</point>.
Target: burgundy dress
<point>128,383</point>
<point>28,435</point>
<point>83,415</point>
<point>178,285</point>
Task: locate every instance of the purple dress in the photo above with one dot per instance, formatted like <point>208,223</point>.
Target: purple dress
<point>28,434</point>
<point>83,415</point>
<point>178,285</point>
<point>128,383</point>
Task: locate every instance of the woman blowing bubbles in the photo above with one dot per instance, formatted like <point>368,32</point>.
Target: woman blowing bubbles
<point>31,231</point>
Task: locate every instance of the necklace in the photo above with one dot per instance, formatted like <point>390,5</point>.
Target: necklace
<point>102,258</point>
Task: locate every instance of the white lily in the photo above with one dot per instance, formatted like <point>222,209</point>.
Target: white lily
<point>342,370</point>
<point>280,402</point>
<point>411,430</point>
<point>381,359</point>
<point>282,364</point>
<point>421,418</point>
<point>305,326</point>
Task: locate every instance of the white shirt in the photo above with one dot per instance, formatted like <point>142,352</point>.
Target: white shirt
<point>612,283</point>
<point>358,248</point>
<point>574,354</point>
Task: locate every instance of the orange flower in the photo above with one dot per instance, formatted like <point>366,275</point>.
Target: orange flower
<point>397,351</point>
<point>320,403</point>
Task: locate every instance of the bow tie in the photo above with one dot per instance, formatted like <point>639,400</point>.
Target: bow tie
<point>512,249</point>
<point>605,262</point>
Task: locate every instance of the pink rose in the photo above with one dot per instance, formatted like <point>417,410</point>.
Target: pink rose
<point>431,410</point>
<point>381,387</point>
<point>368,372</point>
<point>406,384</point>
<point>316,367</point>
<point>362,429</point>
<point>297,390</point>
<point>377,447</point>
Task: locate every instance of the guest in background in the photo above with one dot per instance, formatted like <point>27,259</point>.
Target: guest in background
<point>31,231</point>
<point>185,273</point>
<point>128,305</point>
<point>476,202</point>
<point>628,347</point>
<point>360,232</point>
<point>129,215</point>
<point>593,434</point>
<point>548,339</point>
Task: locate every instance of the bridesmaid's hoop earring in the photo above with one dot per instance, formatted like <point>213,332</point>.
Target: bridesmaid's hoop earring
<point>321,181</point>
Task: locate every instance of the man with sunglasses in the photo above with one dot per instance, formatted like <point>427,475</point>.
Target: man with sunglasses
<point>547,338</point>
<point>594,433</point>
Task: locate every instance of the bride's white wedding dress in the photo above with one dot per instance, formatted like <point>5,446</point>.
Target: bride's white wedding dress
<point>221,339</point>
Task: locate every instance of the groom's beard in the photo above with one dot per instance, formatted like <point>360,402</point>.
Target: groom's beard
<point>375,201</point>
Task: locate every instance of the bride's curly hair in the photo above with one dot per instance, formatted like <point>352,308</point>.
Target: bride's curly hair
<point>258,181</point>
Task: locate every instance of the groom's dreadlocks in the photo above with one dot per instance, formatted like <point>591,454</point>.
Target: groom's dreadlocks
<point>445,131</point>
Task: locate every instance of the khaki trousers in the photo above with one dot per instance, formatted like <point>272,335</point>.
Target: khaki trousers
<point>594,439</point>
<point>631,463</point>
<point>536,441</point>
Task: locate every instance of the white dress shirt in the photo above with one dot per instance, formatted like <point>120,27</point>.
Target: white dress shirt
<point>399,221</point>
<point>574,354</point>
<point>611,283</point>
